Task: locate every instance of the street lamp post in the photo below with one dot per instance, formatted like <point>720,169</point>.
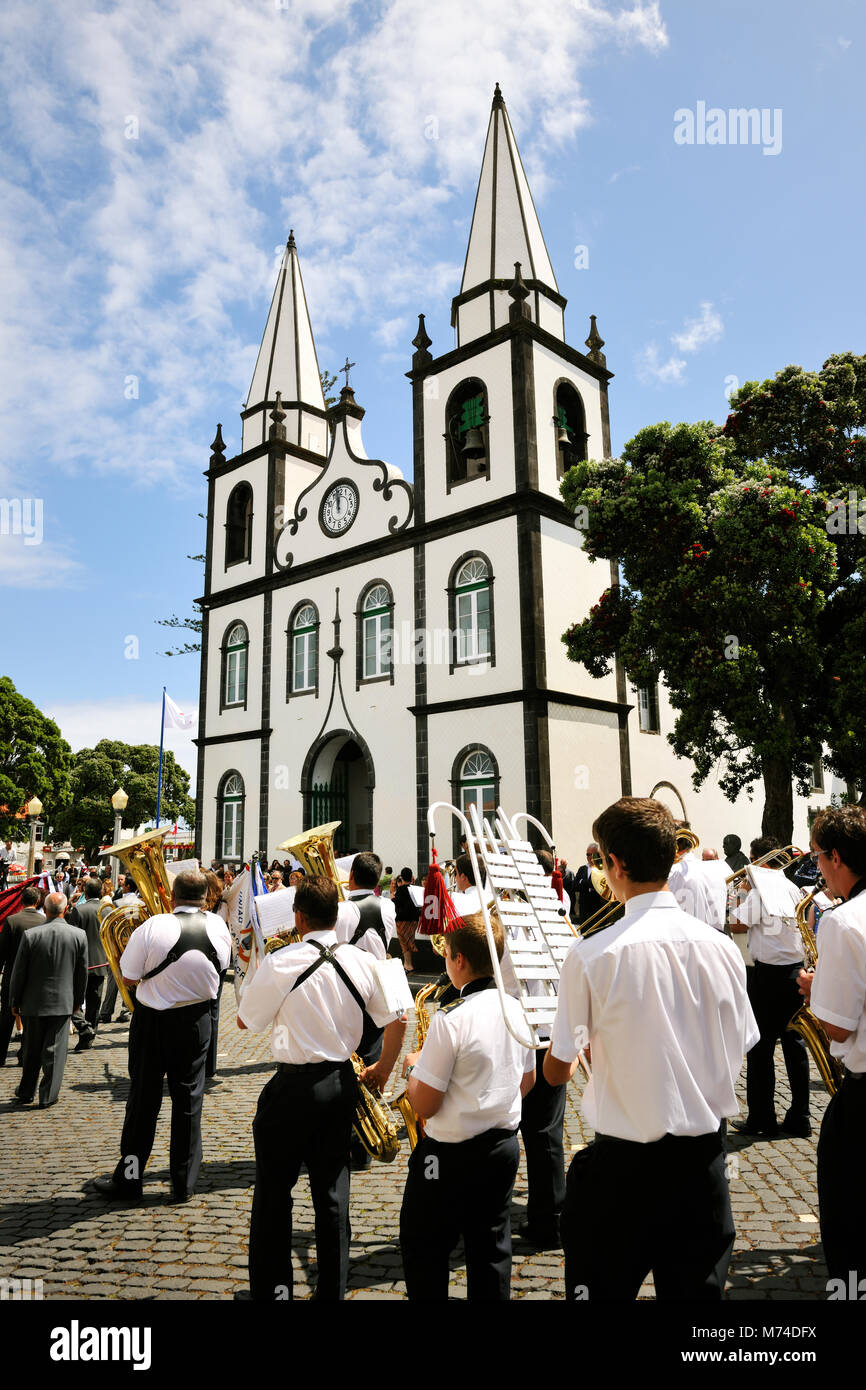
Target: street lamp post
<point>118,802</point>
<point>34,811</point>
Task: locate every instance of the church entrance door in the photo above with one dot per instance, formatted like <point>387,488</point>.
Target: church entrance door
<point>341,789</point>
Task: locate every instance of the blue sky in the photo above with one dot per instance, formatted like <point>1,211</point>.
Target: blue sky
<point>156,154</point>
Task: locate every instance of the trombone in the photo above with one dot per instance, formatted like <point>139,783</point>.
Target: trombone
<point>790,853</point>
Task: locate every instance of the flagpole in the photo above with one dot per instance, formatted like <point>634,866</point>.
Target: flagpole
<point>161,742</point>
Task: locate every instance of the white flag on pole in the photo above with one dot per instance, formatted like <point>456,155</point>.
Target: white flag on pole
<point>175,717</point>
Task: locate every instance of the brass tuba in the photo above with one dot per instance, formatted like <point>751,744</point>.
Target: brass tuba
<point>804,1021</point>
<point>142,859</point>
<point>375,1129</point>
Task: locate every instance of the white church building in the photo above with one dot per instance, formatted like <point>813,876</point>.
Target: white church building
<point>371,645</point>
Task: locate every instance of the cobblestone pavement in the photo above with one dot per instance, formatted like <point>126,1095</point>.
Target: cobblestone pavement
<point>53,1226</point>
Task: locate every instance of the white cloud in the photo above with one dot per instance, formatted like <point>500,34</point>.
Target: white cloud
<point>84,723</point>
<point>139,257</point>
<point>44,566</point>
<point>707,328</point>
<point>695,333</point>
<point>844,43</point>
<point>651,369</point>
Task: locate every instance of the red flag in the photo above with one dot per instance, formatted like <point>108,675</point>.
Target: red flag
<point>556,881</point>
<point>10,898</point>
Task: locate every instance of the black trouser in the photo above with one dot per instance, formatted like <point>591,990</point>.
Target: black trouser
<point>173,1044</point>
<point>303,1116</point>
<point>46,1044</point>
<point>7,1021</point>
<point>210,1069</point>
<point>631,1208</point>
<point>87,1020</point>
<point>455,1190</point>
<point>841,1188</point>
<point>541,1118</point>
<point>775,998</point>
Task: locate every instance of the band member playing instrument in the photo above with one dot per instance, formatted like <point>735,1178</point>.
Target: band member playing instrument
<point>466,1082</point>
<point>838,1000</point>
<point>776,948</point>
<point>315,995</point>
<point>661,999</point>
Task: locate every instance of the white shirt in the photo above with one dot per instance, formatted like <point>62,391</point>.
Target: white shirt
<point>319,1021</point>
<point>839,986</point>
<point>471,1056</point>
<point>661,998</point>
<point>772,940</point>
<point>189,980</point>
<point>699,892</point>
<point>348,918</point>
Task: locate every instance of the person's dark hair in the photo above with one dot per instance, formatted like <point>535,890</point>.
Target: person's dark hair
<point>642,833</point>
<point>843,828</point>
<point>367,869</point>
<point>470,940</point>
<point>29,896</point>
<point>316,897</point>
<point>731,844</point>
<point>129,884</point>
<point>545,859</point>
<point>407,875</point>
<point>92,888</point>
<point>464,866</point>
<point>189,886</point>
<point>764,843</point>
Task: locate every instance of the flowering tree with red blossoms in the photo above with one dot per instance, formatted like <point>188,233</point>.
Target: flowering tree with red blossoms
<point>741,581</point>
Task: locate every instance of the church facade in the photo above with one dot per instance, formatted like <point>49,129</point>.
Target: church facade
<point>371,646</point>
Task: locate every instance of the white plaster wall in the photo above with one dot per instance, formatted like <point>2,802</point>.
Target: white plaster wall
<point>220,620</point>
<point>219,758</point>
<point>572,584</point>
<point>498,541</point>
<point>550,369</point>
<point>256,474</point>
<point>550,316</point>
<point>584,774</point>
<point>493,367</point>
<point>500,729</point>
<point>473,319</point>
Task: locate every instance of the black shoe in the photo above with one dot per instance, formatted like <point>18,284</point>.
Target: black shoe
<point>115,1191</point>
<point>44,1104</point>
<point>748,1127</point>
<point>21,1100</point>
<point>85,1042</point>
<point>123,1017</point>
<point>795,1131</point>
<point>359,1163</point>
<point>177,1199</point>
<point>544,1239</point>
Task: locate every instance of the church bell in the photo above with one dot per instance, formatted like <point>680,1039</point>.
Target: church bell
<point>473,447</point>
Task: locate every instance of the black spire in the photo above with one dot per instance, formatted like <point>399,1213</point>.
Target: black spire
<point>519,294</point>
<point>595,343</point>
<point>498,99</point>
<point>422,342</point>
<point>218,448</point>
<point>277,415</point>
<point>290,244</point>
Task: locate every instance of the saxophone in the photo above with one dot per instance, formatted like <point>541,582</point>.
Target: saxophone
<point>804,1021</point>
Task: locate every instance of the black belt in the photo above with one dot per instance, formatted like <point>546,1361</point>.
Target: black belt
<point>311,1068</point>
<point>854,1075</point>
<point>779,965</point>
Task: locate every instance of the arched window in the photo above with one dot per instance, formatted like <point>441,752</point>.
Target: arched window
<point>474,781</point>
<point>234,676</point>
<point>230,818</point>
<point>569,423</point>
<point>470,611</point>
<point>239,525</point>
<point>375,625</point>
<point>303,651</point>
<point>466,435</point>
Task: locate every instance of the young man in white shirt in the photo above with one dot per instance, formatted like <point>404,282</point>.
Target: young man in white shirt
<point>838,1000</point>
<point>660,1000</point>
<point>467,1083</point>
<point>175,959</point>
<point>313,997</point>
<point>776,948</point>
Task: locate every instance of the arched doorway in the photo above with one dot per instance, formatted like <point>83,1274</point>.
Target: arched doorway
<point>337,784</point>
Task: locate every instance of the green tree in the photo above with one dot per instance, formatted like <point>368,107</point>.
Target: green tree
<point>35,760</point>
<point>734,587</point>
<point>96,775</point>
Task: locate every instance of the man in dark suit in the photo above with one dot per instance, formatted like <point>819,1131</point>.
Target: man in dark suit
<point>86,1022</point>
<point>48,981</point>
<point>10,939</point>
<point>588,901</point>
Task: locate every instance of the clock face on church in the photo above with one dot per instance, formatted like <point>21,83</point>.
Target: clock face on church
<point>339,508</point>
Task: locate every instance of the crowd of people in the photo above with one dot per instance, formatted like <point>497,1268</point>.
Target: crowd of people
<point>660,1008</point>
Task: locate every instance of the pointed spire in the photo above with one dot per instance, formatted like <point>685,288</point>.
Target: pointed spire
<point>505,226</point>
<point>422,341</point>
<point>519,293</point>
<point>595,343</point>
<point>278,415</point>
<point>218,447</point>
<point>336,651</point>
<point>287,359</point>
